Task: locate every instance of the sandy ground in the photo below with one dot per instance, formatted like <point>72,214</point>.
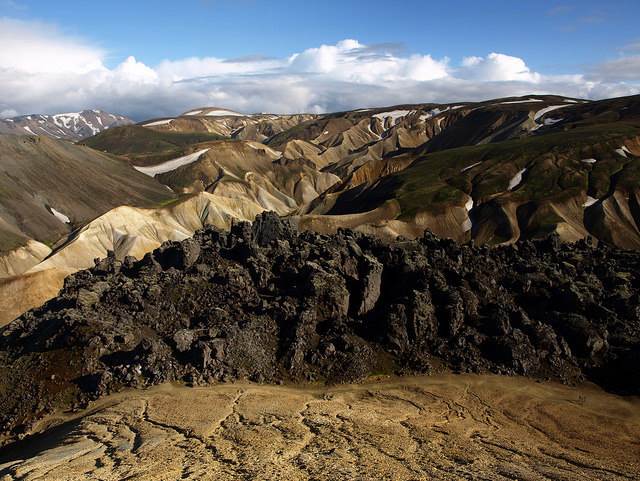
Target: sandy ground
<point>441,427</point>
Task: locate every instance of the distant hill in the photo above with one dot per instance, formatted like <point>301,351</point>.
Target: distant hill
<point>141,145</point>
<point>68,126</point>
<point>49,187</point>
<point>228,123</point>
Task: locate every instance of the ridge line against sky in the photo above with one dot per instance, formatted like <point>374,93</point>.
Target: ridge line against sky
<point>46,67</point>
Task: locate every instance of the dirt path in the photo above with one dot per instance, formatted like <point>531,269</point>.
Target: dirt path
<point>441,427</point>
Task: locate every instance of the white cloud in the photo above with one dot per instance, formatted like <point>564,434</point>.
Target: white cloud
<point>351,61</point>
<point>44,71</point>
<point>497,67</point>
<point>35,47</point>
<point>619,70</point>
<point>135,72</point>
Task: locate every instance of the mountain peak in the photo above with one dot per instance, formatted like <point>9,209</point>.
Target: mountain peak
<point>67,125</point>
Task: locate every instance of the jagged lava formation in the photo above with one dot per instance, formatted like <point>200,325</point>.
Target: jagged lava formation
<point>269,304</point>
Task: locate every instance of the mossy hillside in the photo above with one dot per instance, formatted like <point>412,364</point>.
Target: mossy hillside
<point>553,162</point>
<point>146,146</point>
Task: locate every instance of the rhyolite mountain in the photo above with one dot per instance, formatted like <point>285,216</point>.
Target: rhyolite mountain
<point>494,172</point>
<point>49,187</point>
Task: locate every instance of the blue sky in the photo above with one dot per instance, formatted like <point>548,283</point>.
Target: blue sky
<point>552,38</point>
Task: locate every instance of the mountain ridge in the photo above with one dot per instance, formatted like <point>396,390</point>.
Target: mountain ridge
<point>69,126</point>
<point>494,172</point>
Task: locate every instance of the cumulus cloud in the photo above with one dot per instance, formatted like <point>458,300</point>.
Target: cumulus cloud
<point>497,67</point>
<point>35,47</point>
<point>44,71</point>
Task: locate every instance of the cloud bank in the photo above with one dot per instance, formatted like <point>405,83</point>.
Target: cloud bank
<point>44,71</point>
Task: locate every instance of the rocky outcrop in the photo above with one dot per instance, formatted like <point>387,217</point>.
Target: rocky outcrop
<point>124,231</point>
<point>269,304</point>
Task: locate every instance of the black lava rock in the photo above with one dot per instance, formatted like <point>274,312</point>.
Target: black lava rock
<point>265,302</point>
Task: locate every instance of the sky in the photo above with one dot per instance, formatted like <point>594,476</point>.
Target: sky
<point>148,59</point>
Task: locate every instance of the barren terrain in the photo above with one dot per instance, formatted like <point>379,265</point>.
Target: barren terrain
<point>440,427</point>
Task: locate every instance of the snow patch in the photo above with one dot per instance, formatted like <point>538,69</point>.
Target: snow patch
<point>590,201</point>
<point>546,110</point>
<point>66,119</point>
<point>552,121</point>
<point>170,165</point>
<point>469,167</point>
<point>194,112</point>
<point>437,111</point>
<point>516,180</point>
<point>60,216</point>
<point>621,151</point>
<point>33,133</point>
<point>395,115</point>
<point>95,130</point>
<point>589,161</point>
<point>432,113</point>
<point>469,204</point>
<point>527,101</point>
<point>467,224</point>
<point>224,113</point>
<point>158,122</point>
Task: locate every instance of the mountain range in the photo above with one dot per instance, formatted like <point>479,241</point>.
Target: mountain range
<point>494,172</point>
<point>70,126</point>
<point>154,276</point>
